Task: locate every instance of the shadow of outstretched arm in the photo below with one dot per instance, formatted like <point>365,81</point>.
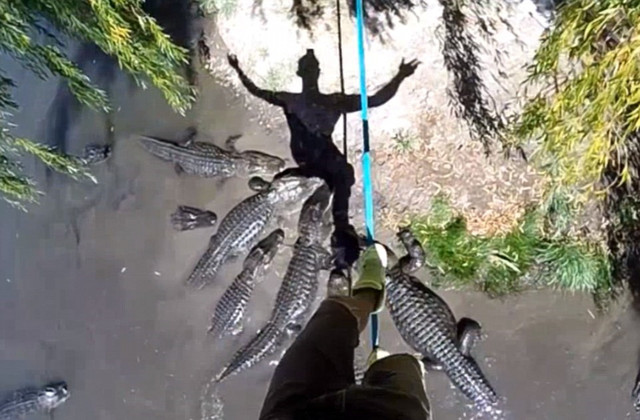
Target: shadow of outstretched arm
<point>274,98</point>
<point>351,103</point>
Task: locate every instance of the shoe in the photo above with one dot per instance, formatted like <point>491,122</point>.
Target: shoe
<point>375,355</point>
<point>372,268</point>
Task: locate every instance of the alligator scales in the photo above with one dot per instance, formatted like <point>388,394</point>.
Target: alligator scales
<point>427,324</point>
<point>298,290</point>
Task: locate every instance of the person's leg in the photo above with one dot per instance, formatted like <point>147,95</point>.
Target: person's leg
<point>360,305</point>
<point>320,360</point>
<point>399,373</point>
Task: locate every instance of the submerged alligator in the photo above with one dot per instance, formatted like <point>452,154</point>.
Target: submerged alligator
<point>26,402</point>
<point>427,324</point>
<point>94,154</point>
<point>241,227</point>
<point>189,218</point>
<point>229,312</point>
<point>208,160</point>
<point>636,394</point>
<point>298,289</point>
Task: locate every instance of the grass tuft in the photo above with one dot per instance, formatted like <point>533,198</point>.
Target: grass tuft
<point>574,267</point>
<point>503,264</point>
<point>404,141</point>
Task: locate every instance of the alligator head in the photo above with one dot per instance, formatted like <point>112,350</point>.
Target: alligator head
<point>267,248</point>
<point>96,153</point>
<point>53,395</point>
<point>259,163</point>
<point>189,218</point>
<point>289,189</point>
<point>415,257</point>
<point>313,211</point>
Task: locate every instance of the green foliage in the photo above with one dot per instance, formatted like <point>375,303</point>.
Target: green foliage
<point>561,210</point>
<point>461,54</point>
<point>575,267</point>
<point>15,187</point>
<point>588,73</point>
<point>452,249</point>
<point>120,28</point>
<point>503,264</point>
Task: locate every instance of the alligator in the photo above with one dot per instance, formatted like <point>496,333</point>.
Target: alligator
<point>208,160</point>
<point>298,289</point>
<point>94,154</point>
<point>189,218</point>
<point>245,222</point>
<point>427,324</point>
<point>636,394</point>
<point>229,312</point>
<point>29,401</point>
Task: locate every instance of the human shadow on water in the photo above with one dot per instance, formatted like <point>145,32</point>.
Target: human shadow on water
<point>312,116</point>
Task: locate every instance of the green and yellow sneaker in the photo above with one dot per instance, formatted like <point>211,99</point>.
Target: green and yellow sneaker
<point>372,266</point>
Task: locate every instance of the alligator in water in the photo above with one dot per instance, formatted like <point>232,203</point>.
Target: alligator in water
<point>636,394</point>
<point>245,222</point>
<point>94,154</point>
<point>298,289</point>
<point>189,218</point>
<point>427,324</point>
<point>208,160</point>
<point>229,312</point>
<point>27,402</point>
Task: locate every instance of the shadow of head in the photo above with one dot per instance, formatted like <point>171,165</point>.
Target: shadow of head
<point>308,66</point>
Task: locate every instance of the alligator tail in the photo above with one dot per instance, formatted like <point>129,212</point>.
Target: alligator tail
<point>206,269</point>
<point>468,378</point>
<point>229,312</point>
<point>159,148</point>
<point>260,347</point>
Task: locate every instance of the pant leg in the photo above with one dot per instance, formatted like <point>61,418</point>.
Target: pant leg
<point>400,373</point>
<point>320,360</point>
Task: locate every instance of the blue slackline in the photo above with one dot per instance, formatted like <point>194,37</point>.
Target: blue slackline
<point>366,157</point>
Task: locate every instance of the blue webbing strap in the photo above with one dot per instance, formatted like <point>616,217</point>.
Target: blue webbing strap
<point>366,157</point>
